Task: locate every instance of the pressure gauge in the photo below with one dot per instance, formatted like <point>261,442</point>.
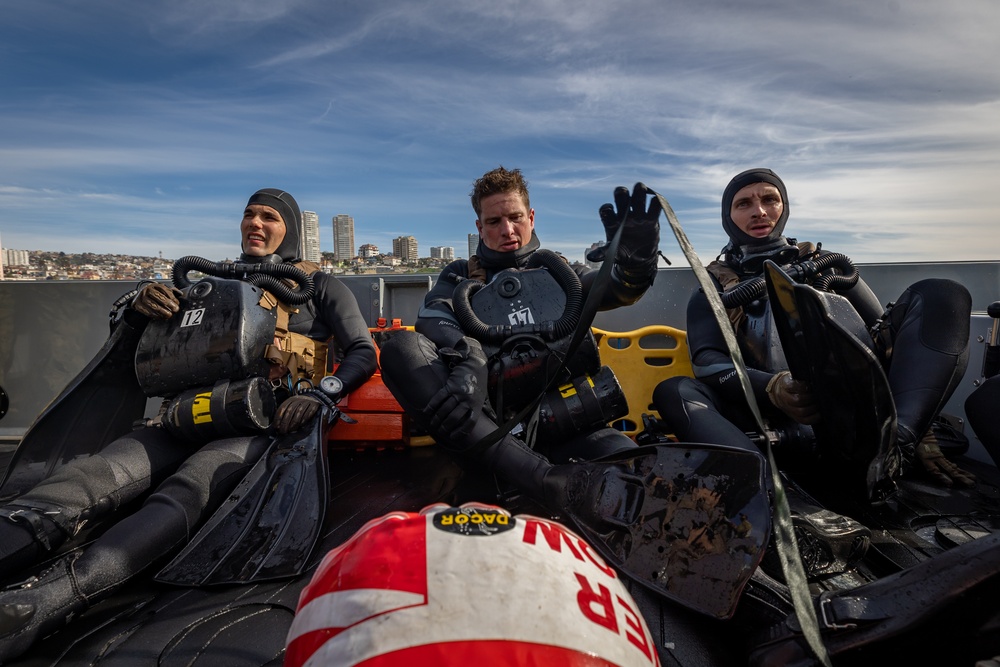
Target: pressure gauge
<point>331,385</point>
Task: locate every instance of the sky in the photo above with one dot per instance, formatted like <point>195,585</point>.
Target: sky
<point>143,127</point>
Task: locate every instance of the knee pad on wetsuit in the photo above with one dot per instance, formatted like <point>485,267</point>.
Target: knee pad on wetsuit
<point>674,396</point>
<point>942,308</point>
<point>412,369</point>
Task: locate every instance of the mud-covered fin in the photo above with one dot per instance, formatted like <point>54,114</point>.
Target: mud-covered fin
<point>100,404</point>
<point>702,527</point>
<point>820,335</point>
<point>268,526</point>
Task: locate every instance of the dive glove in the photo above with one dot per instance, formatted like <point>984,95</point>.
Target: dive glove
<point>454,409</point>
<point>638,249</point>
<point>938,466</point>
<point>295,413</point>
<point>157,301</point>
<point>794,398</point>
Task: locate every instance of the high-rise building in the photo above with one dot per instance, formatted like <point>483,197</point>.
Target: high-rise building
<point>473,244</point>
<point>310,237</point>
<point>343,238</point>
<point>405,247</point>
<point>444,252</point>
<point>11,257</point>
<point>587,262</point>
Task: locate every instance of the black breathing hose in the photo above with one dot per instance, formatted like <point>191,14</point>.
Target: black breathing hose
<point>802,271</point>
<point>550,330</point>
<point>264,275</point>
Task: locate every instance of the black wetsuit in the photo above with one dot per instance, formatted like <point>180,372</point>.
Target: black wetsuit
<point>923,347</point>
<point>413,369</point>
<point>190,481</point>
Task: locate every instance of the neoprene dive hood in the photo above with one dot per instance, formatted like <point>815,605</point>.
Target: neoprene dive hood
<point>285,204</point>
<point>745,253</point>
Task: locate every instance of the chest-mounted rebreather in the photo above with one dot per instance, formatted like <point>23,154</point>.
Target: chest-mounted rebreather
<point>525,320</point>
<point>209,359</point>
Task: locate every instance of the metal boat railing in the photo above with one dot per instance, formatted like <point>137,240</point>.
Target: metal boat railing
<point>49,330</point>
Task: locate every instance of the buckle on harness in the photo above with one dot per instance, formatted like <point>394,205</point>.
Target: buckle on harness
<point>32,519</point>
<point>827,618</point>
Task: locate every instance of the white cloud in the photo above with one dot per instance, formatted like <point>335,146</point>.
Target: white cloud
<point>881,116</point>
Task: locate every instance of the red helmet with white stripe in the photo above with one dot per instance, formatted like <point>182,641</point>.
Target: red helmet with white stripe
<point>463,586</point>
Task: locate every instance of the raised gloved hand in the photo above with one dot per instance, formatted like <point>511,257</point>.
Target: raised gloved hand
<point>157,301</point>
<point>454,409</point>
<point>295,413</point>
<point>635,261</point>
<point>794,398</point>
<point>938,466</point>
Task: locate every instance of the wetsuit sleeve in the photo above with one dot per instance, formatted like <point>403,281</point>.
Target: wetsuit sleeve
<point>862,298</point>
<point>710,355</point>
<point>865,302</point>
<point>337,308</point>
<point>617,293</point>
<point>436,318</point>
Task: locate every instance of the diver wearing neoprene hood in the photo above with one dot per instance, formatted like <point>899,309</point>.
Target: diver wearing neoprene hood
<point>184,345</point>
<point>921,340</point>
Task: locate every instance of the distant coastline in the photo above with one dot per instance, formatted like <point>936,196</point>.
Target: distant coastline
<point>55,265</point>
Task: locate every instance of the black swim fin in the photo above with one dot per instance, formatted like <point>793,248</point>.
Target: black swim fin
<point>100,404</point>
<point>822,336</point>
<point>701,527</point>
<point>268,526</point>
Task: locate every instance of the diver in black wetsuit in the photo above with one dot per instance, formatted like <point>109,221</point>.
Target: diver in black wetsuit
<point>921,341</point>
<point>190,478</point>
<point>439,373</point>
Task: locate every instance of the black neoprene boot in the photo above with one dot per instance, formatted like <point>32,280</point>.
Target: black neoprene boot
<point>929,327</point>
<point>26,536</point>
<point>599,494</point>
<point>39,606</point>
<point>45,603</point>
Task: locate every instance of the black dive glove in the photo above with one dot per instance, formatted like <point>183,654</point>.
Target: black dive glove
<point>638,249</point>
<point>454,409</point>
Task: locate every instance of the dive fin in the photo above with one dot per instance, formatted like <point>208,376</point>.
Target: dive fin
<point>889,620</point>
<point>821,337</point>
<point>100,404</point>
<point>701,529</point>
<point>268,526</point>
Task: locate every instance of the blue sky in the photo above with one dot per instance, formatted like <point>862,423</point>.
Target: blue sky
<point>143,127</point>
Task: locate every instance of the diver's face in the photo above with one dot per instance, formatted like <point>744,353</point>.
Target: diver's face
<point>756,209</point>
<point>262,229</point>
<point>505,221</point>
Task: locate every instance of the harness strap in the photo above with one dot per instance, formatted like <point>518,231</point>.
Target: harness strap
<point>304,357</point>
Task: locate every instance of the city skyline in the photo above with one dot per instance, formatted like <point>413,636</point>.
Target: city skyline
<point>311,233</point>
